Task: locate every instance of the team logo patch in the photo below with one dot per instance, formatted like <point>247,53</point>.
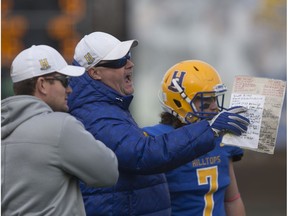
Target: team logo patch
<point>44,64</point>
<point>89,58</point>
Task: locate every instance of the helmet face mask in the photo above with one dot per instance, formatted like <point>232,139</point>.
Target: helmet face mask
<point>205,100</point>
<point>192,90</point>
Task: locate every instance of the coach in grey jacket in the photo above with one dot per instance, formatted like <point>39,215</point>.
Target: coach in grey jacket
<point>44,151</point>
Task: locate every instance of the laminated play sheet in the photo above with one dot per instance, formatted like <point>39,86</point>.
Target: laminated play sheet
<point>264,99</point>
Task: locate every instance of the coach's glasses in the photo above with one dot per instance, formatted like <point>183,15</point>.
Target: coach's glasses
<point>115,63</point>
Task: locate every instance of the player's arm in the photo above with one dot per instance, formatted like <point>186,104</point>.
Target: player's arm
<point>233,202</point>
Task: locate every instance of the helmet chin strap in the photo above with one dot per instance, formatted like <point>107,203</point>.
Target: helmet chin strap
<point>182,93</point>
<point>180,90</point>
<point>169,109</point>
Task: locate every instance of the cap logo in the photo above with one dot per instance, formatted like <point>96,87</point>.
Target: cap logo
<point>89,58</point>
<point>44,64</point>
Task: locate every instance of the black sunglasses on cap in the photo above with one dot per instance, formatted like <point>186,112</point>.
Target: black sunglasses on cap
<point>115,63</point>
<point>63,79</point>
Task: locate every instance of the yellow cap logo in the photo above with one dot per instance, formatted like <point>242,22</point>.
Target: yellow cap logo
<point>89,58</point>
<point>44,64</point>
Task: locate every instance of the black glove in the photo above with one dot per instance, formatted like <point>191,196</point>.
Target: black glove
<point>230,121</point>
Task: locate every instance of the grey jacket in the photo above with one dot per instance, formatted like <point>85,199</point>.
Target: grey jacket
<point>43,154</point>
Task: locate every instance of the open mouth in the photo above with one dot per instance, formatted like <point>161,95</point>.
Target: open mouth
<point>128,78</point>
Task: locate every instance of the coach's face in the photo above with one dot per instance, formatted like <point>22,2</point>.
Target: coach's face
<point>120,79</point>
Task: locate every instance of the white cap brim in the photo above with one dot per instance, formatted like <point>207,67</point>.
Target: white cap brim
<point>120,50</point>
<point>72,71</point>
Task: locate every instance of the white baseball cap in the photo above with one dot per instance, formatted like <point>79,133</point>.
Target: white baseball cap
<point>99,46</point>
<point>39,60</point>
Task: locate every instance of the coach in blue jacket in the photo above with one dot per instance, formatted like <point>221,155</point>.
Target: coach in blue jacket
<point>101,99</point>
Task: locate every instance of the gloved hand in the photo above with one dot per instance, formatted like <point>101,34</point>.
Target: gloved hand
<point>230,121</point>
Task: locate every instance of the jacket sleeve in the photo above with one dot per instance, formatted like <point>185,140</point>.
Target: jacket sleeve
<point>140,154</point>
<point>85,157</point>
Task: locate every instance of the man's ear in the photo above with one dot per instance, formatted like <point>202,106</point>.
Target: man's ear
<point>41,86</point>
<point>94,73</point>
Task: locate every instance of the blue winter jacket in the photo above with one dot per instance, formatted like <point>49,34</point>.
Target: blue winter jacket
<point>142,188</point>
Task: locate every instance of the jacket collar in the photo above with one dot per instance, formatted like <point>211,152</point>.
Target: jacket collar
<point>89,90</point>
